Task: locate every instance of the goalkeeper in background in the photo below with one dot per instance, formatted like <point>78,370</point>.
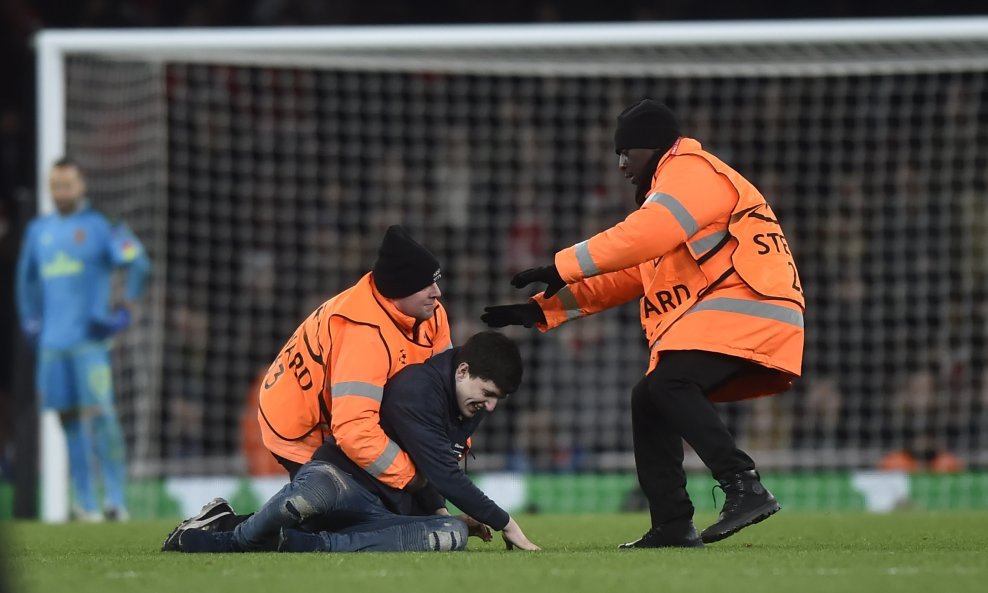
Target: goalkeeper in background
<point>64,292</point>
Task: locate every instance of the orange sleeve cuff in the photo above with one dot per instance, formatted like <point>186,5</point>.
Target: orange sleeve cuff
<point>567,265</point>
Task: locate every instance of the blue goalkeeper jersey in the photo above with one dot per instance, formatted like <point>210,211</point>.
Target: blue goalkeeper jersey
<point>64,274</point>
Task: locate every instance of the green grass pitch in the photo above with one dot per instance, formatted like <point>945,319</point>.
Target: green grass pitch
<point>794,552</point>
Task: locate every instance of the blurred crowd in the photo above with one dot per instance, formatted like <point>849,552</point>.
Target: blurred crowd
<point>889,238</point>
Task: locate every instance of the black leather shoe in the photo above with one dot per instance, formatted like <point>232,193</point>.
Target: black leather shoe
<point>747,502</point>
<point>670,535</point>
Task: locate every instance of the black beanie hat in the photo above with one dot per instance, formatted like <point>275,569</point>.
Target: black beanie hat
<point>403,266</point>
<point>646,124</point>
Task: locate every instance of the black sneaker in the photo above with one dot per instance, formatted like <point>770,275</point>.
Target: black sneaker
<point>198,541</point>
<point>293,540</point>
<point>670,535</point>
<point>747,502</point>
<point>206,520</point>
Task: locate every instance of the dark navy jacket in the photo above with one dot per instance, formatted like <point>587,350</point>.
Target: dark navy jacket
<point>419,412</point>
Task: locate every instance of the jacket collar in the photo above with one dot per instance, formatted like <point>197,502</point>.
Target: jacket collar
<point>682,144</point>
<point>448,369</point>
<point>406,323</point>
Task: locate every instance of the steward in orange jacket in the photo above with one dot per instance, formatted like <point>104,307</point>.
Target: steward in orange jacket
<point>721,306</point>
<point>328,380</point>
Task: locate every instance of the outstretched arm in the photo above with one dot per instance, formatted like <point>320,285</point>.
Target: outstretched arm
<point>589,296</point>
<point>573,301</point>
<point>417,422</point>
<point>688,196</point>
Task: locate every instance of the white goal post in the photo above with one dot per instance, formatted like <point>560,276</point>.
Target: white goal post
<point>777,99</point>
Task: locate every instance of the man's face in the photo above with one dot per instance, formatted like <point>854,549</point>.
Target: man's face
<point>422,304</point>
<point>632,162</point>
<point>474,394</point>
<point>67,188</point>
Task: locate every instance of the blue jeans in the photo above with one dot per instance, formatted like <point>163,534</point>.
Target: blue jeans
<point>349,518</point>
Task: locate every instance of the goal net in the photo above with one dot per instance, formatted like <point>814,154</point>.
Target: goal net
<point>260,168</point>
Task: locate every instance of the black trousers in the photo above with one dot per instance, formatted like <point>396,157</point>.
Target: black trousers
<point>669,406</point>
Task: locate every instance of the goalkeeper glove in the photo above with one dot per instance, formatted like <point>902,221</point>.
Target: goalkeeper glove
<point>118,321</point>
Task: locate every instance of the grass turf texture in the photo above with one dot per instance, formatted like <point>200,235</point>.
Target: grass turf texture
<point>796,552</point>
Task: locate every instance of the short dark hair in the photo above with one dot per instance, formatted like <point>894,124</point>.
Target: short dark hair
<point>493,357</point>
<point>67,161</point>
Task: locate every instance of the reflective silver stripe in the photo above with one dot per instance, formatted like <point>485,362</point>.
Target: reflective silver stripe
<point>753,308</point>
<point>384,460</point>
<point>679,212</point>
<point>375,392</point>
<point>583,258</point>
<point>568,299</point>
<point>701,246</point>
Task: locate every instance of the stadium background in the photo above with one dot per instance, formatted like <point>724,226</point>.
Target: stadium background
<point>855,171</point>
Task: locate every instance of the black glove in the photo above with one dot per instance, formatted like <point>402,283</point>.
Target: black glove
<point>547,274</point>
<point>116,322</point>
<point>527,314</point>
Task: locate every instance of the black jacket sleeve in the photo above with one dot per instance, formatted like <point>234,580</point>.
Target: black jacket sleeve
<point>417,423</point>
<point>427,500</point>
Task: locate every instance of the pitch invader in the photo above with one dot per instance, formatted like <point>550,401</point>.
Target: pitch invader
<point>64,292</point>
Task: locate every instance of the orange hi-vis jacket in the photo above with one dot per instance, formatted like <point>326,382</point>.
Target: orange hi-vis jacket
<point>329,378</point>
<point>708,259</point>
